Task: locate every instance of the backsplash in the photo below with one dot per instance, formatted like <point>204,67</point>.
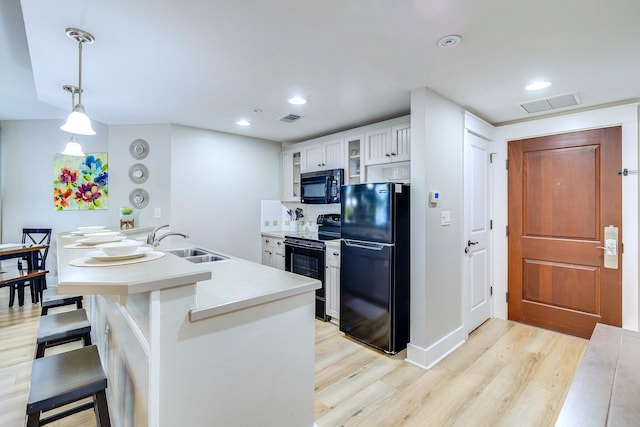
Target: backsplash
<point>273,215</point>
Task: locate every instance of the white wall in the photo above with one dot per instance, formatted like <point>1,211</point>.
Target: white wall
<point>436,252</point>
<point>158,162</point>
<point>217,183</point>
<point>28,148</point>
<point>627,117</point>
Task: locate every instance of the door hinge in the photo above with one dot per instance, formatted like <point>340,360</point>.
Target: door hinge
<point>507,230</point>
<point>491,291</point>
<point>506,297</point>
<point>506,163</point>
<point>490,224</point>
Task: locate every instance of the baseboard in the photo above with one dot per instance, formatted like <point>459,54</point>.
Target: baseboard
<point>427,358</point>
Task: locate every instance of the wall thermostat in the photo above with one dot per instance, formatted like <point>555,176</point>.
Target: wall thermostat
<point>434,197</point>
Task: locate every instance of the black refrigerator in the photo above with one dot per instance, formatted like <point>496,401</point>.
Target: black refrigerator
<point>375,264</point>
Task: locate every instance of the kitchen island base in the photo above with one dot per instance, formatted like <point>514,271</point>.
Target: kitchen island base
<point>248,367</point>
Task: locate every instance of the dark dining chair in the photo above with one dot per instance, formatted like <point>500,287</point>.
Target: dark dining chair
<point>35,237</point>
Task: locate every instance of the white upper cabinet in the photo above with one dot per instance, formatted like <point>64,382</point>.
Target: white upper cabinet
<point>401,142</point>
<point>291,165</point>
<point>372,153</point>
<point>389,144</point>
<point>354,173</point>
<point>324,155</point>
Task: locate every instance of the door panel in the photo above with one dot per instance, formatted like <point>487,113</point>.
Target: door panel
<point>477,218</point>
<point>563,191</point>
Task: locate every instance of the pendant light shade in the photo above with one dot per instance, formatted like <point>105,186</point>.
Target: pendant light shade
<point>73,148</point>
<point>78,122</point>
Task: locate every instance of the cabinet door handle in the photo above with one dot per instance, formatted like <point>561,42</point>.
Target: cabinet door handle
<point>279,243</point>
<point>388,155</point>
<point>336,253</point>
<point>267,241</point>
<point>393,154</point>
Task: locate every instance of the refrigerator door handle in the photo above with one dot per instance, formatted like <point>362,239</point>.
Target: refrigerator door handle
<point>365,245</point>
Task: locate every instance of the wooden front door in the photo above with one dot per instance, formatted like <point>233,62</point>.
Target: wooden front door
<point>563,192</point>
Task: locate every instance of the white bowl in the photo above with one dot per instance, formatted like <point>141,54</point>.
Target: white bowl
<point>125,247</point>
<point>102,236</point>
<point>92,228</point>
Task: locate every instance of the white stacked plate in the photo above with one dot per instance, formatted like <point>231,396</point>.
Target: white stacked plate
<point>138,252</point>
<point>101,237</point>
<point>91,229</point>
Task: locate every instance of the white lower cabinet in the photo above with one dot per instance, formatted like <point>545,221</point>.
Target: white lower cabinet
<point>273,253</point>
<point>332,280</point>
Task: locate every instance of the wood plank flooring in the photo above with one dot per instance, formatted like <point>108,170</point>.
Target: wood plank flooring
<point>506,374</point>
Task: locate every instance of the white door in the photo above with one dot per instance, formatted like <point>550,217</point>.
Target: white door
<point>477,294</point>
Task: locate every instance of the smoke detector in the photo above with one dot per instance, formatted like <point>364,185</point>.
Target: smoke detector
<point>449,41</point>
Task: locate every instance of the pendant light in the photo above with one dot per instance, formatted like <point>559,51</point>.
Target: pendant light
<point>72,148</point>
<point>78,122</point>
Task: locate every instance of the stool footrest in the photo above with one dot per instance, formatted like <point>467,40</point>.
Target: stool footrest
<point>66,413</point>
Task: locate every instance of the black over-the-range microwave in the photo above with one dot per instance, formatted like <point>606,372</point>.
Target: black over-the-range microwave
<point>321,187</point>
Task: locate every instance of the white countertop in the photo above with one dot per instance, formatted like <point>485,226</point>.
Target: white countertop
<point>223,286</point>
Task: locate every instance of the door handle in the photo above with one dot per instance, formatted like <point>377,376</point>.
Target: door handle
<point>610,247</point>
<point>469,244</point>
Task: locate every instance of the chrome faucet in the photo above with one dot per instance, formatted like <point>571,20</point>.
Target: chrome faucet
<point>151,237</point>
<point>156,241</point>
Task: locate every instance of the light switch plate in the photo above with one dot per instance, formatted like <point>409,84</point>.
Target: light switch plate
<point>445,218</point>
<point>157,213</point>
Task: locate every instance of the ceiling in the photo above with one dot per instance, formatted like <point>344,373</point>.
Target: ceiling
<point>209,63</point>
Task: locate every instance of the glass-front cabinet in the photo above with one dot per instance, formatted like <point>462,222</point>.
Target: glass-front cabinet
<point>355,170</point>
<point>291,167</point>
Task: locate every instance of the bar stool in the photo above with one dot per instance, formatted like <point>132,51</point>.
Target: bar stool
<point>65,378</point>
<point>52,301</point>
<point>61,328</point>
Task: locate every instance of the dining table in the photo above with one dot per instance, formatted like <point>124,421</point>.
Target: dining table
<point>17,277</point>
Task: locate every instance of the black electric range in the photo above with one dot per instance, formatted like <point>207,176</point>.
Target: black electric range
<point>305,255</point>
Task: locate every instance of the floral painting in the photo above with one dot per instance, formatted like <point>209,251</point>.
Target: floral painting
<point>80,182</point>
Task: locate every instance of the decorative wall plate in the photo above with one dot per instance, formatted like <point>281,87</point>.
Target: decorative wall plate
<point>139,198</point>
<point>139,149</point>
<point>138,173</point>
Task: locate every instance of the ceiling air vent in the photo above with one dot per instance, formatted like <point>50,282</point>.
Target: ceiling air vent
<point>289,118</point>
<point>551,103</point>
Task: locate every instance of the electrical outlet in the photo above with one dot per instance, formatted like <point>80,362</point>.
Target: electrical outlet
<point>266,223</point>
<point>157,213</point>
<point>275,222</point>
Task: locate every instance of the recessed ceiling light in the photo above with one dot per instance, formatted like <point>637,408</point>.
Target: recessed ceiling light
<point>449,41</point>
<point>537,85</point>
<point>243,123</point>
<point>298,100</point>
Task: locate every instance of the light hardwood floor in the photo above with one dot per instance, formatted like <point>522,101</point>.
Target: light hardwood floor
<point>506,374</point>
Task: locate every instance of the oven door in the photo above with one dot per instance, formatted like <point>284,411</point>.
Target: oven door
<point>310,262</point>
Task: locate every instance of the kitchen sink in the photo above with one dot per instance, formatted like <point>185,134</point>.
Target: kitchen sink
<point>197,255</point>
<point>205,258</point>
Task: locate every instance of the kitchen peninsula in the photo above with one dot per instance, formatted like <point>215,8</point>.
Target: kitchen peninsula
<point>226,343</point>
